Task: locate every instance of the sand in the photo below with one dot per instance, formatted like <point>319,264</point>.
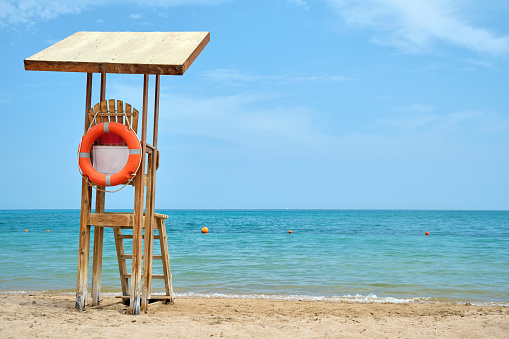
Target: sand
<point>23,316</point>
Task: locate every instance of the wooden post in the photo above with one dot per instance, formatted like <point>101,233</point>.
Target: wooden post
<point>149,213</point>
<point>149,239</point>
<point>139,188</point>
<point>84,242</point>
<point>163,240</point>
<point>97,258</point>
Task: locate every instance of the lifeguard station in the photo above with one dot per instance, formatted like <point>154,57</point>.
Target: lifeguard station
<point>147,53</point>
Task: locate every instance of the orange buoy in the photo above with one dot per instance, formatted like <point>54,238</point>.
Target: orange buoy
<point>26,230</point>
<point>204,230</point>
<point>47,230</point>
<point>133,161</point>
<point>290,232</point>
<point>427,233</point>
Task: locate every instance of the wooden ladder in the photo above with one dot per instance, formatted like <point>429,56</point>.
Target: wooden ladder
<point>122,257</point>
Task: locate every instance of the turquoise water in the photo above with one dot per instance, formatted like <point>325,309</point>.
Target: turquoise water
<point>358,254</point>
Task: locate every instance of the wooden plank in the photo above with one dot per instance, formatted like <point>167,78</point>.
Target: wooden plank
<point>102,94</point>
<point>115,219</point>
<point>126,68</point>
<point>120,110</point>
<point>102,97</point>
<point>111,219</point>
<point>134,119</point>
<point>161,216</point>
<point>111,110</point>
<point>139,188</point>
<point>107,114</point>
<point>84,239</point>
<point>149,238</point>
<point>128,110</point>
<point>104,108</point>
<point>92,114</point>
<point>98,250</point>
<point>156,118</point>
<point>150,201</point>
<point>98,231</point>
<point>84,248</point>
<point>88,100</point>
<point>165,53</point>
<point>122,267</point>
<point>97,265</point>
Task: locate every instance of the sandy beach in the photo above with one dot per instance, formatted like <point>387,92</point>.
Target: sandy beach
<point>47,316</point>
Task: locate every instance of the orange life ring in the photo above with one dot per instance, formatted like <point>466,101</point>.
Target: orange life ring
<point>133,161</point>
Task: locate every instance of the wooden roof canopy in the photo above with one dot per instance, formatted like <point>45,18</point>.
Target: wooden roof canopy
<point>163,53</point>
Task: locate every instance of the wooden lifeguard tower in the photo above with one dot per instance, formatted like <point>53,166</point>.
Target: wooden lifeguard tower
<point>147,53</point>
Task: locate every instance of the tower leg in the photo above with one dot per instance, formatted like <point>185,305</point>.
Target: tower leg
<point>84,248</point>
<point>149,238</point>
<point>139,189</point>
<point>84,243</point>
<point>97,260</point>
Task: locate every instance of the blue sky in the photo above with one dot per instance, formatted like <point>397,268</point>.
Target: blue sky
<point>367,104</point>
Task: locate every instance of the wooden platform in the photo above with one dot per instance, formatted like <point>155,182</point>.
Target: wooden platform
<point>163,53</point>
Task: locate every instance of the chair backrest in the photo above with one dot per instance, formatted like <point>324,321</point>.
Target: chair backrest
<point>113,110</point>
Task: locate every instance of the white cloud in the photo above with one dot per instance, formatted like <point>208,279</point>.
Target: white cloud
<point>254,121</point>
<point>236,76</point>
<point>135,16</point>
<point>29,12</point>
<point>25,11</point>
<point>259,125</point>
<point>240,120</point>
<point>419,119</point>
<point>299,3</point>
<point>413,26</point>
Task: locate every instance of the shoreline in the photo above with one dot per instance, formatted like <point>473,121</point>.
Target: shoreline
<point>53,315</point>
<point>358,299</point>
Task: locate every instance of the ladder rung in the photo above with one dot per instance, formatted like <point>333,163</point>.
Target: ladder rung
<point>130,256</point>
<point>130,236</point>
<point>154,276</point>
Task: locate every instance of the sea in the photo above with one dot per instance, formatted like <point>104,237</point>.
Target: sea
<point>395,256</point>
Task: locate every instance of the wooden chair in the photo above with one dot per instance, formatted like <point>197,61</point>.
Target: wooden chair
<point>115,111</point>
